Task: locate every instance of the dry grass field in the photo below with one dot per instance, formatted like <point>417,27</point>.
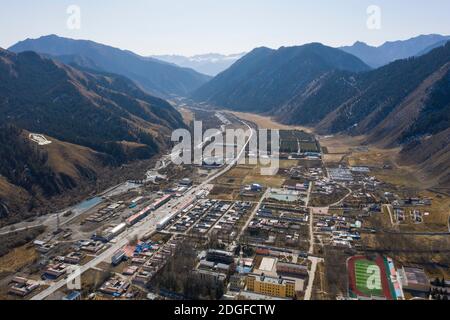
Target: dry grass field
<point>432,252</point>
<point>264,122</point>
<point>188,115</point>
<point>436,221</point>
<point>287,164</point>
<point>18,258</point>
<point>228,186</point>
<point>13,195</point>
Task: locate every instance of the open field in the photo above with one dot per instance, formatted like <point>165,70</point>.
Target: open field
<point>18,258</point>
<point>338,147</point>
<point>228,186</point>
<point>287,164</point>
<point>403,176</point>
<point>265,122</point>
<point>11,192</point>
<point>351,151</point>
<point>429,252</point>
<point>188,115</point>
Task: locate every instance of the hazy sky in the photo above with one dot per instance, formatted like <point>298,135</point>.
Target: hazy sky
<point>226,26</point>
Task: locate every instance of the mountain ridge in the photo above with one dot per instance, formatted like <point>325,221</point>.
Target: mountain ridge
<point>402,104</point>
<point>263,78</point>
<point>95,122</point>
<point>210,64</point>
<point>157,77</point>
<point>394,50</point>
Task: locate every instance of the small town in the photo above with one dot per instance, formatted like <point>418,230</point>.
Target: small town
<point>227,232</point>
<point>197,159</point>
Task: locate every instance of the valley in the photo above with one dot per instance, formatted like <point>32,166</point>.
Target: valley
<point>215,213</point>
<point>305,172</point>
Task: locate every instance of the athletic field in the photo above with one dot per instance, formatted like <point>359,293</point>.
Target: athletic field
<point>369,279</point>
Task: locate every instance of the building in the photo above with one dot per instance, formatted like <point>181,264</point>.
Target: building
<point>414,279</point>
<point>73,296</point>
<point>115,287</point>
<point>139,216</point>
<point>142,278</point>
<point>45,248</point>
<point>91,246</point>
<point>162,201</point>
<point>215,278</point>
<point>206,264</point>
<point>135,202</point>
<point>186,182</point>
<point>22,287</point>
<point>292,268</point>
<point>74,258</point>
<point>54,271</point>
<point>118,257</point>
<point>274,287</point>
<point>248,295</point>
<point>237,283</point>
<point>255,187</point>
<point>114,232</point>
<point>340,174</point>
<point>220,256</point>
<point>166,221</point>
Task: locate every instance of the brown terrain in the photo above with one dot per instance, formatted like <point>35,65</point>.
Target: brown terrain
<point>80,172</point>
<point>103,122</point>
<point>403,116</point>
<point>422,172</point>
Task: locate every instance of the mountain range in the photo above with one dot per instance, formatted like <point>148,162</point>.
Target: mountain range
<point>390,51</point>
<point>157,77</point>
<point>404,103</point>
<point>97,105</point>
<point>210,64</point>
<point>94,119</point>
<point>265,78</point>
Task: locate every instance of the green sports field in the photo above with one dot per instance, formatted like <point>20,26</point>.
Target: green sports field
<point>368,278</point>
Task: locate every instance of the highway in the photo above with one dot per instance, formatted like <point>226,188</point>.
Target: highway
<point>146,226</point>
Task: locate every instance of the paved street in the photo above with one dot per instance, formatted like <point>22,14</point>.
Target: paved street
<point>146,226</point>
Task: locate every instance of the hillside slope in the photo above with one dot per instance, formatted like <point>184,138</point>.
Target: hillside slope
<point>265,79</point>
<point>157,77</point>
<point>89,109</point>
<point>31,175</point>
<point>406,103</point>
<point>96,121</point>
<point>378,107</point>
<point>210,64</point>
<point>390,51</point>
